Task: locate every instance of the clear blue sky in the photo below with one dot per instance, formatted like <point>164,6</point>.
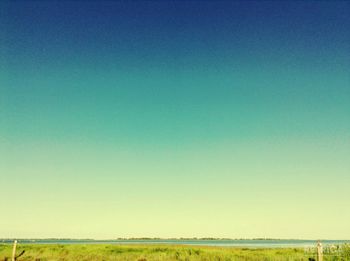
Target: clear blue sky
<point>175,119</point>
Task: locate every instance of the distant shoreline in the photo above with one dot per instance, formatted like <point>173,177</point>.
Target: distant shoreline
<point>210,242</point>
<point>168,239</point>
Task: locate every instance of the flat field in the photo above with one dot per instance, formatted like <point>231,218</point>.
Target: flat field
<point>89,252</point>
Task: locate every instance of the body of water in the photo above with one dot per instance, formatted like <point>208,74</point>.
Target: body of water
<point>251,243</point>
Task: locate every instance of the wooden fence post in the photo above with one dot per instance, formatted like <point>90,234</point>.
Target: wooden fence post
<point>319,251</point>
<point>14,251</point>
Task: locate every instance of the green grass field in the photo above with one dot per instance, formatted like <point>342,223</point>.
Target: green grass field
<point>155,252</point>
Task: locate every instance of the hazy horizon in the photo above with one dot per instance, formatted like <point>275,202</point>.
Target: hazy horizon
<point>225,119</point>
<point>171,238</point>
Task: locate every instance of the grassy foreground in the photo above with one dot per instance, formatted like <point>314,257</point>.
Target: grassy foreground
<point>151,252</point>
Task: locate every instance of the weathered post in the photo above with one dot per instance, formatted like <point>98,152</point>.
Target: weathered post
<point>14,251</point>
<point>319,251</point>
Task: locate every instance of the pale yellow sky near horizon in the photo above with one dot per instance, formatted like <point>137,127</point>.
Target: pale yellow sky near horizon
<point>239,191</point>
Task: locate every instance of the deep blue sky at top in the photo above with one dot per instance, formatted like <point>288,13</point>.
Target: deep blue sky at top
<point>171,68</point>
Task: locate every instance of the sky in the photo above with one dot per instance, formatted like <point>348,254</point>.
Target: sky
<point>175,119</point>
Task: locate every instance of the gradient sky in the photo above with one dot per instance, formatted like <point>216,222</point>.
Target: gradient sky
<point>175,119</point>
